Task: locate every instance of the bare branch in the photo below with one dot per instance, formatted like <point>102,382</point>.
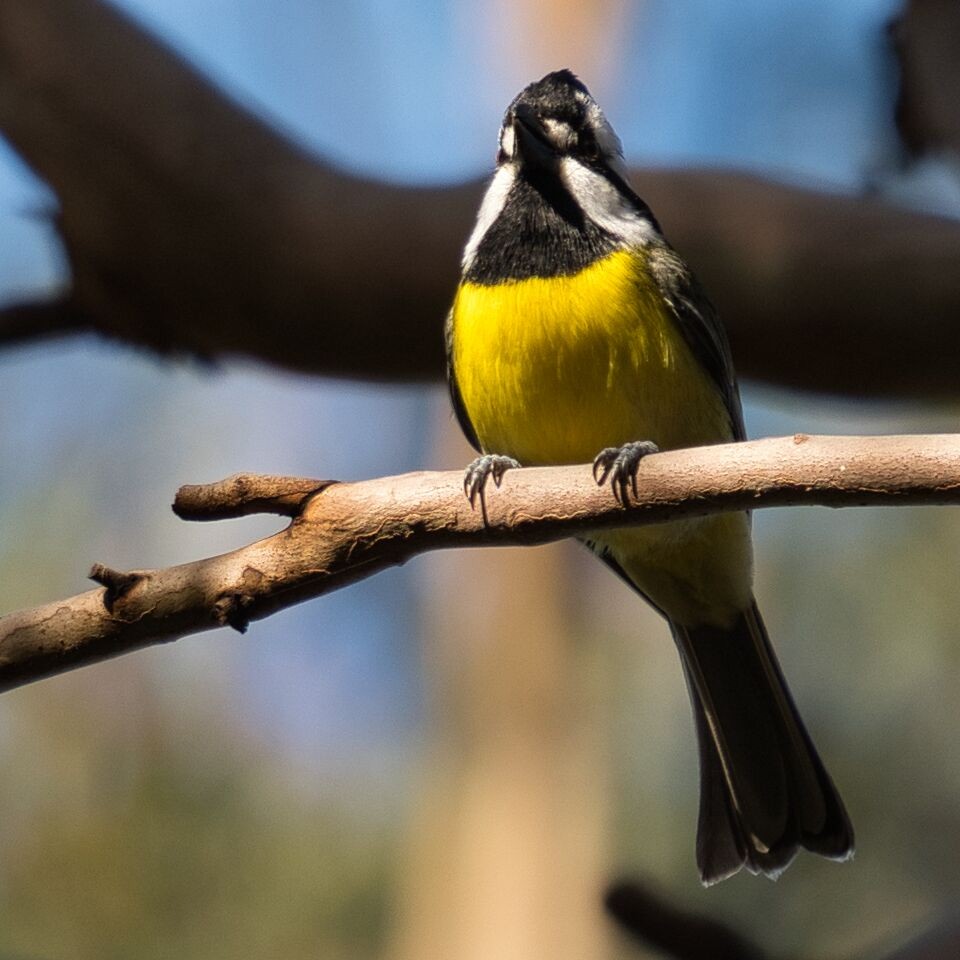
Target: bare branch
<point>263,251</point>
<point>244,494</point>
<point>348,531</point>
<point>21,322</point>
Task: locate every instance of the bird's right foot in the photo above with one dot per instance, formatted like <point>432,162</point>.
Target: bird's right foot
<point>482,469</point>
<point>620,465</point>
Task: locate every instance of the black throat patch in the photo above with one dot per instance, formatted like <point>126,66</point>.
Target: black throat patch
<point>541,232</point>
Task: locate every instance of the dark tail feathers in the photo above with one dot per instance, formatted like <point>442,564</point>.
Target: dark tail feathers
<point>763,791</point>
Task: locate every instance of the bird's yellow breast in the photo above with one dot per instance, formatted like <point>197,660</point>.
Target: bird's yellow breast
<point>551,370</point>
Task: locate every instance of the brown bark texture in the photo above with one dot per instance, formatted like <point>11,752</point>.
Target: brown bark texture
<point>348,531</point>
<point>192,227</point>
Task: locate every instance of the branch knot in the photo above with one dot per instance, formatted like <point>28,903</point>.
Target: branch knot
<point>231,611</point>
<point>117,583</point>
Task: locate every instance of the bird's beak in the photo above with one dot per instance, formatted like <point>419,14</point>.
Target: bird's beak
<point>533,147</point>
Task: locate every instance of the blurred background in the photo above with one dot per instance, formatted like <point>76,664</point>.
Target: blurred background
<point>456,758</point>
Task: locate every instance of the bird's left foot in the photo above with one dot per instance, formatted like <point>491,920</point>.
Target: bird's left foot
<point>620,465</point>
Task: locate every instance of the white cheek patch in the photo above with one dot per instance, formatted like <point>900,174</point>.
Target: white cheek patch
<point>607,139</point>
<point>508,140</point>
<point>560,133</point>
<point>493,203</point>
<point>602,203</point>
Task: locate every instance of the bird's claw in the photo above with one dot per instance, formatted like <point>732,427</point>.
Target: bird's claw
<point>620,464</point>
<point>483,468</point>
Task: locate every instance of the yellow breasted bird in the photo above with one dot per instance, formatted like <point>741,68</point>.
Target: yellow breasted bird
<point>578,334</point>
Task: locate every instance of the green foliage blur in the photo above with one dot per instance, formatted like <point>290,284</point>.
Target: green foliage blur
<point>137,827</point>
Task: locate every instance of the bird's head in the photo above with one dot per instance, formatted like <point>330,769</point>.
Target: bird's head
<point>555,118</point>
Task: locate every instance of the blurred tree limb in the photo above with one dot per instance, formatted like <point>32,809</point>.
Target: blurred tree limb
<point>675,931</point>
<point>926,38</point>
<point>192,227</point>
<point>342,532</point>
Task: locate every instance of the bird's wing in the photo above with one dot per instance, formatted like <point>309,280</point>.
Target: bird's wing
<point>699,325</point>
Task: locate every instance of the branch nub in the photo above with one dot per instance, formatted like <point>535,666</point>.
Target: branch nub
<point>231,611</point>
<point>117,583</point>
<point>244,494</point>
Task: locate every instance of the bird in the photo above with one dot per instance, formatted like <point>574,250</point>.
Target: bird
<point>578,334</point>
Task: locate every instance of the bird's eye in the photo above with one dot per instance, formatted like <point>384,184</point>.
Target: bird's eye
<point>501,156</point>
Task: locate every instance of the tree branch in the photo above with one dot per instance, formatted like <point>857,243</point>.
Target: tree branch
<point>31,321</point>
<point>926,40</point>
<point>193,227</point>
<point>244,494</point>
<point>343,532</point>
<point>673,930</point>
